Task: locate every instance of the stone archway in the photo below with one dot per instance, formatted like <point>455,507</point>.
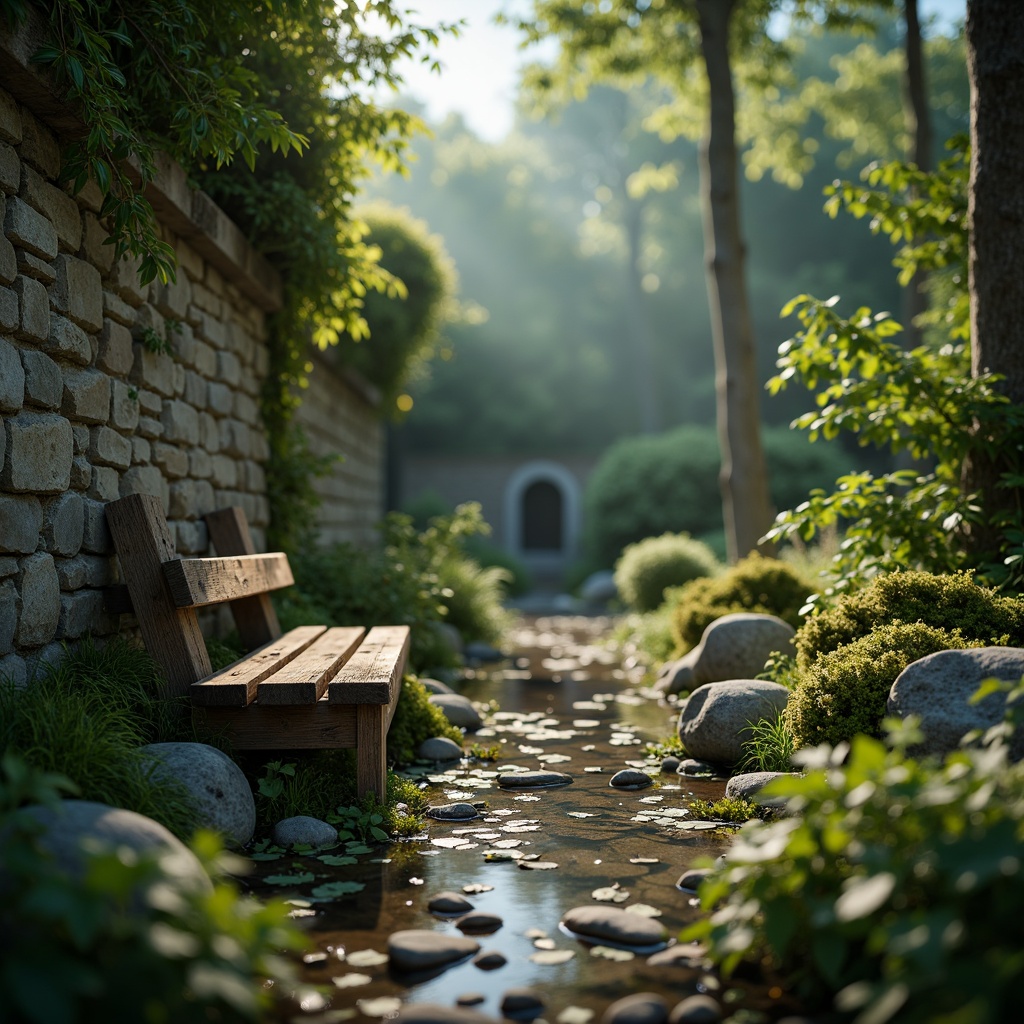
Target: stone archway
<point>542,514</point>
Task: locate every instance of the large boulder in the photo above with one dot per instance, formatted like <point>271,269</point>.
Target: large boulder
<point>714,718</point>
<point>938,688</point>
<point>63,829</point>
<point>216,786</point>
<point>732,647</point>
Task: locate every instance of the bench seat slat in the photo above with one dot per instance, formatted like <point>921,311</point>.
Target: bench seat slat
<point>197,582</point>
<point>304,680</point>
<point>236,685</point>
<point>373,674</point>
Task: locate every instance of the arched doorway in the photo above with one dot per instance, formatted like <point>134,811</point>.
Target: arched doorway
<point>542,517</point>
<point>542,525</point>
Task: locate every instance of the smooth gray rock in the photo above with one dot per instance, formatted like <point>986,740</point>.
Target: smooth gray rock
<point>699,1009</point>
<point>303,830</point>
<point>419,950</point>
<point>458,710</point>
<point>938,689</point>
<point>639,1008</point>
<point>690,955</point>
<point>439,748</point>
<point>477,651</point>
<point>64,828</point>
<point>453,812</point>
<point>449,903</point>
<point>216,786</point>
<point>748,785</point>
<point>532,780</point>
<point>491,960</point>
<point>714,718</point>
<point>611,924</point>
<point>690,881</point>
<point>733,647</point>
<point>670,763</point>
<point>479,922</point>
<point>630,778</point>
<point>435,685</point>
<point>39,589</point>
<point>435,1013</point>
<point>691,766</point>
<point>522,1003</point>
<point>599,587</point>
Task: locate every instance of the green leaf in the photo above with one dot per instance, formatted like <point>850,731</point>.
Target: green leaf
<point>332,890</point>
<point>298,878</point>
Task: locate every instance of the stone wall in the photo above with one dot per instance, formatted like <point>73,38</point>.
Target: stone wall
<point>109,388</point>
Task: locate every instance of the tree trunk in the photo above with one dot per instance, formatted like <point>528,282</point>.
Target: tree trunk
<point>746,504</point>
<point>995,63</point>
<point>919,127</point>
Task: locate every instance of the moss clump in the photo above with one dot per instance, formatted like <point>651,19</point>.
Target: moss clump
<point>953,602</point>
<point>650,565</point>
<point>765,586</point>
<point>845,691</point>
<point>416,720</point>
<point>728,808</point>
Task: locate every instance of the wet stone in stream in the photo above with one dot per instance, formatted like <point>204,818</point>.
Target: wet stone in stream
<point>533,780</point>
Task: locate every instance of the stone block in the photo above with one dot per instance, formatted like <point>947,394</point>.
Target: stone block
<point>149,427</point>
<point>81,473</point>
<point>63,524</point>
<point>80,436</point>
<point>260,446</point>
<point>28,229</point>
<point>9,314</point>
<point>10,169</point>
<point>109,448</point>
<point>89,197</point>
<point>8,566</point>
<point>229,370</point>
<point>12,378</point>
<point>143,480</point>
<point>181,423</point>
<point>124,406</point>
<point>116,354</point>
<point>206,500</point>
<point>171,459</point>
<point>34,267</point>
<point>21,519</point>
<point>39,453</point>
<point>86,396</point>
<point>95,534</point>
<point>10,119</point>
<point>153,371</point>
<point>234,439</point>
<point>57,206</point>
<point>225,471</point>
<point>209,433</point>
<point>72,572</point>
<point>94,239</point>
<point>255,478</point>
<point>205,359</point>
<point>8,261</point>
<point>77,292</point>
<point>39,591</point>
<point>212,330</point>
<point>172,299</point>
<point>68,341</point>
<point>104,485</point>
<point>118,310</point>
<point>8,615</point>
<point>183,346</point>
<point>195,390</point>
<point>124,280</point>
<point>150,403</point>
<point>38,146</point>
<point>220,400</point>
<point>34,304</point>
<point>78,613</point>
<point>182,499</point>
<point>179,380</point>
<point>191,538</point>
<point>44,385</point>
<point>200,465</point>
<point>142,451</point>
<point>99,570</point>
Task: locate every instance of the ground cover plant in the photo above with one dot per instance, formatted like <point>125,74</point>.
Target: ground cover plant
<point>891,892</point>
<point>130,940</point>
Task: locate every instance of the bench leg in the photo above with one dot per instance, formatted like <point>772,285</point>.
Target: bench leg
<point>371,746</point>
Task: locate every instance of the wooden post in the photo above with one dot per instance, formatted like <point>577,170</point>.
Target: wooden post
<point>371,750</point>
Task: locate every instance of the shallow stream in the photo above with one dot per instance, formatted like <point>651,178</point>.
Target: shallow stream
<point>563,703</point>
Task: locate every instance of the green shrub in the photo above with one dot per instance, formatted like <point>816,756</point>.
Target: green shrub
<point>754,584</point>
<point>86,718</point>
<point>85,950</point>
<point>519,580</point>
<point>845,691</point>
<point>894,894</point>
<point>945,602</point>
<point>647,567</point>
<point>645,486</point>
<point>473,597</point>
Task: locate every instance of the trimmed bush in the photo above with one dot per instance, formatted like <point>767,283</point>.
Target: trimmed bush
<point>953,602</point>
<point>845,691</point>
<point>654,563</point>
<point>765,586</point>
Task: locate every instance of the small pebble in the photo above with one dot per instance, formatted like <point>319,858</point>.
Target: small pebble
<point>453,812</point>
<point>630,778</point>
<point>417,949</point>
<point>691,766</point>
<point>670,763</point>
<point>479,923</point>
<point>689,881</point>
<point>641,1008</point>
<point>449,903</point>
<point>696,1010</point>
<point>490,960</point>
<point>470,999</point>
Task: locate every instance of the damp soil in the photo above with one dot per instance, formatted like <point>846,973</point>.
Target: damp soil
<point>561,702</point>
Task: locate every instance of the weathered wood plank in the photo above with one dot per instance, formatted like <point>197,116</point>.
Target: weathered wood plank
<point>171,634</point>
<point>371,752</point>
<point>319,726</point>
<point>305,679</point>
<point>373,674</point>
<point>255,617</point>
<point>197,582</point>
<point>236,685</point>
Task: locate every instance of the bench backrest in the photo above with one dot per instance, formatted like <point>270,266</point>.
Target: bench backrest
<point>166,590</point>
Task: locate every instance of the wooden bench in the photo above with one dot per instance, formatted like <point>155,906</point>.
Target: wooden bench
<point>311,688</point>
